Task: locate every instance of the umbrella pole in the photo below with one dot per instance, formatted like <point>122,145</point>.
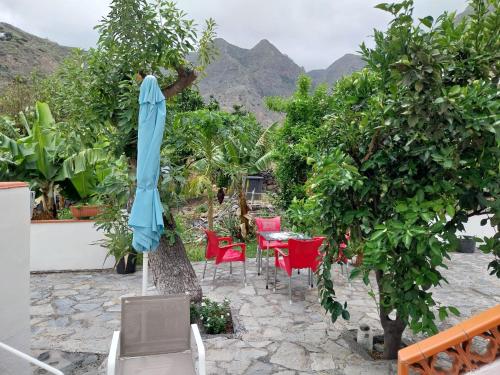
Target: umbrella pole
<point>145,269</point>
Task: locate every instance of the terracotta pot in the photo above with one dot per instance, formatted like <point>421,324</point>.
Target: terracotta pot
<point>82,212</point>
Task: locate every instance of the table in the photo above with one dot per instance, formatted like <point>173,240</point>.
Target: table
<point>279,236</point>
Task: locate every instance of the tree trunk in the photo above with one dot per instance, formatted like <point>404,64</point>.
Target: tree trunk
<point>393,329</point>
<point>210,204</point>
<point>172,270</point>
<point>244,222</point>
<point>48,201</point>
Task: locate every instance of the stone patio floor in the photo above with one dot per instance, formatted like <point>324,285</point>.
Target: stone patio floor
<point>74,315</point>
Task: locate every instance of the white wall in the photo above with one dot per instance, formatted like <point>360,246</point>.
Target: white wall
<point>14,275</point>
<point>67,245</point>
<point>473,227</point>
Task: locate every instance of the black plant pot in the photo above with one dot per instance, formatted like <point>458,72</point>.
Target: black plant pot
<point>466,245</point>
<point>126,264</point>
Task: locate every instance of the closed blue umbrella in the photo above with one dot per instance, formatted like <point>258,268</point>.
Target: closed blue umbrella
<point>146,218</point>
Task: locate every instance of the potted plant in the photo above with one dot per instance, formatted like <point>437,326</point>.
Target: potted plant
<point>118,238</point>
<point>86,209</point>
<point>466,244</point>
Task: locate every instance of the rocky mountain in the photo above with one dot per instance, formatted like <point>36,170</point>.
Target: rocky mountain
<point>245,77</point>
<point>238,76</point>
<point>21,53</point>
<point>344,66</point>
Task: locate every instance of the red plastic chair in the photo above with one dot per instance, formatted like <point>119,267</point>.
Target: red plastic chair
<point>301,254</point>
<point>225,253</point>
<point>267,225</point>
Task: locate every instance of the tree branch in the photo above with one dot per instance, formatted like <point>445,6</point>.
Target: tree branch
<point>185,78</point>
<point>372,146</point>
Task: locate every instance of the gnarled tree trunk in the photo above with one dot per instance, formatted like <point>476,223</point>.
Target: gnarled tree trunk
<point>244,209</point>
<point>172,271</point>
<point>393,328</point>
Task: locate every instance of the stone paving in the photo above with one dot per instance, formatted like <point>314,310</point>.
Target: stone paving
<point>77,312</point>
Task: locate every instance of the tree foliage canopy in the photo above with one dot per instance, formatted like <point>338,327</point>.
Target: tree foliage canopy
<point>407,150</point>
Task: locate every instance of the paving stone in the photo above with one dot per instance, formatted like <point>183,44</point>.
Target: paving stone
<point>291,356</point>
<point>245,354</point>
<point>77,312</point>
<point>86,306</point>
<point>223,355</point>
<point>322,361</point>
<point>260,368</point>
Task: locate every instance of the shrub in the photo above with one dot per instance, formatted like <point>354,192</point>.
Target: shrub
<point>215,317</point>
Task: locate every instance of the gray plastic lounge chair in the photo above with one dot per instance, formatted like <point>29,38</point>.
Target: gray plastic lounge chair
<point>155,338</point>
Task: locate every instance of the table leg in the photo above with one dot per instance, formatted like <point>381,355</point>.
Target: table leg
<point>267,268</point>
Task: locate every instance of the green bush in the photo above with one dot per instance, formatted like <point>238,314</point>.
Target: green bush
<point>215,317</point>
<point>304,111</point>
<point>408,152</point>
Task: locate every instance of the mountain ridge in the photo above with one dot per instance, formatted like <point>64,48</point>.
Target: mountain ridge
<point>238,76</point>
<point>21,53</point>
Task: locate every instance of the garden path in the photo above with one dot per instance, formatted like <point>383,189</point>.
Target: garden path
<point>77,312</point>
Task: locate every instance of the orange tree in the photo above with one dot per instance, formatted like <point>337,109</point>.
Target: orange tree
<point>409,151</point>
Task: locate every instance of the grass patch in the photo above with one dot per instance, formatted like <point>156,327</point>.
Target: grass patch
<point>196,252</point>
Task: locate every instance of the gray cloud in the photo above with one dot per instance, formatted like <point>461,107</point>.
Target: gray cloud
<point>312,32</point>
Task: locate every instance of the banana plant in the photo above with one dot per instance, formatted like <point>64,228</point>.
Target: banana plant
<point>244,155</point>
<point>206,128</point>
<point>42,158</point>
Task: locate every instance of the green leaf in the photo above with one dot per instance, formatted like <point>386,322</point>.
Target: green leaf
<point>454,310</point>
<point>346,315</point>
<point>375,236</point>
<point>454,91</point>
<point>355,273</point>
<point>384,6</point>
<point>442,313</point>
<point>427,21</point>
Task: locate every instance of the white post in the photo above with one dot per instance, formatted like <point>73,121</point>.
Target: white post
<point>145,269</point>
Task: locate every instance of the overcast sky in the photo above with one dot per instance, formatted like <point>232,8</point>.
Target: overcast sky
<point>313,33</point>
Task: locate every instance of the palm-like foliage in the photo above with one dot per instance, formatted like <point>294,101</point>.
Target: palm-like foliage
<point>247,151</point>
<point>204,131</point>
<point>234,145</point>
<point>45,157</point>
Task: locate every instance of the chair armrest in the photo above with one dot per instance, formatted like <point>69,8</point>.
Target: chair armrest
<point>30,359</point>
<point>241,245</point>
<point>278,252</point>
<point>114,353</point>
<point>229,240</point>
<point>282,245</point>
<point>195,333</point>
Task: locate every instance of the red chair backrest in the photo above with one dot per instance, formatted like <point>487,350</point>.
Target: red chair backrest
<point>272,224</point>
<point>212,244</point>
<point>304,253</point>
